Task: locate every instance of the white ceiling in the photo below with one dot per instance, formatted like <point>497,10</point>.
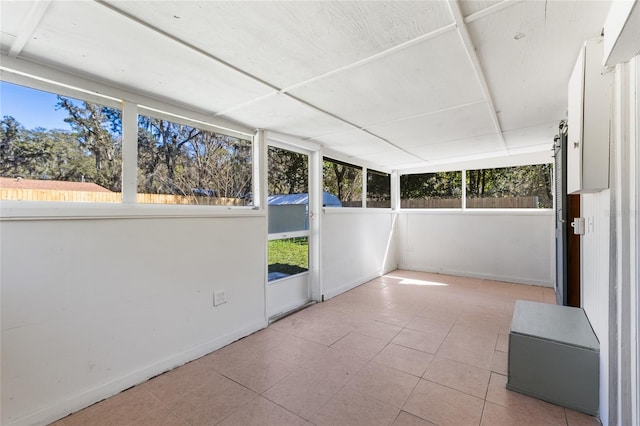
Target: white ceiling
<point>400,85</point>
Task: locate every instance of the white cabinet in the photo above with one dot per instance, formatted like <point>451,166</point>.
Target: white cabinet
<point>588,122</point>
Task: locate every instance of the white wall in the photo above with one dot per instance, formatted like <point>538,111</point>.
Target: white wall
<point>515,246</point>
<point>93,306</point>
<point>357,246</point>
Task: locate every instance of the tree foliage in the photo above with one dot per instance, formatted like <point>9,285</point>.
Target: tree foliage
<point>431,185</point>
<point>288,172</point>
<point>343,180</point>
<point>520,181</point>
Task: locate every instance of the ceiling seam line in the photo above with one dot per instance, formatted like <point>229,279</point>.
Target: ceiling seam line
<point>246,103</point>
<point>490,10</point>
<point>424,114</point>
<point>463,32</point>
<point>30,25</point>
<point>405,45</point>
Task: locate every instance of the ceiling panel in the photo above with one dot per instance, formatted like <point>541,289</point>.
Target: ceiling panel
<point>353,143</point>
<point>460,148</point>
<point>459,123</point>
<point>531,136</point>
<point>393,159</point>
<point>92,40</point>
<point>528,51</point>
<point>281,113</point>
<point>425,77</point>
<point>287,42</point>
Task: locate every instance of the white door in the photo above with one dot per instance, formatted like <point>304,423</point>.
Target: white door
<point>288,285</point>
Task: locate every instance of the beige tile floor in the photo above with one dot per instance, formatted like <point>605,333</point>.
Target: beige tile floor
<point>408,348</point>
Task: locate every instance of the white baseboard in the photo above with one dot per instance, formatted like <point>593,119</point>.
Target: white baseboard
<point>506,278</point>
<point>353,284</point>
<point>86,398</point>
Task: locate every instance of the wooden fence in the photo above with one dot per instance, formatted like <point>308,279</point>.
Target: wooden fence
<point>477,203</point>
<point>116,197</point>
<point>112,197</point>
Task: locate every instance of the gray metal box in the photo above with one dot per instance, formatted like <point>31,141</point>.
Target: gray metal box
<point>554,356</point>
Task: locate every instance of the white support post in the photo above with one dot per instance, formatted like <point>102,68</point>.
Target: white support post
<point>129,152</point>
<point>464,189</point>
<point>364,187</point>
<point>260,170</point>
<point>260,202</point>
<point>315,224</point>
<point>395,190</point>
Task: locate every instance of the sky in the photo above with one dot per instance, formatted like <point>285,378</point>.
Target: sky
<point>30,107</point>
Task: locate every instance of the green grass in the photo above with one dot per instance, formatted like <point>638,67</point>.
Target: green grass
<point>290,256</point>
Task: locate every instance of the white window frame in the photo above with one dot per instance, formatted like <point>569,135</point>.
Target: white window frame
<point>131,104</point>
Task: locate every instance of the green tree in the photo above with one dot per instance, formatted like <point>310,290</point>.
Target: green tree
<point>431,185</point>
<point>288,172</point>
<point>95,129</point>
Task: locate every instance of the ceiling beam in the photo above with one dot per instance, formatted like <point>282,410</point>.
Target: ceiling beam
<point>465,37</point>
<point>28,27</point>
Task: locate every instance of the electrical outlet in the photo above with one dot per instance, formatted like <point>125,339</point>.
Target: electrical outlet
<point>219,297</point>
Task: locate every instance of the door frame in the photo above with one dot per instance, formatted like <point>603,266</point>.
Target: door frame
<point>309,279</point>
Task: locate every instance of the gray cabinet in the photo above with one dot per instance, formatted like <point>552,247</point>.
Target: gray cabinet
<point>554,356</point>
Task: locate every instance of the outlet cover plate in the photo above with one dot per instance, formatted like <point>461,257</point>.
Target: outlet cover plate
<point>219,297</point>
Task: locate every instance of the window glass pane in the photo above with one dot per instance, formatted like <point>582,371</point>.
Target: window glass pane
<point>288,257</point>
<point>56,148</point>
<point>181,164</point>
<point>431,190</point>
<point>378,189</point>
<point>342,184</point>
<point>511,187</point>
<point>288,185</point>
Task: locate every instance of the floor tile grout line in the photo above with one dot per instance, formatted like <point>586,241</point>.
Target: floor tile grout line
<point>287,409</point>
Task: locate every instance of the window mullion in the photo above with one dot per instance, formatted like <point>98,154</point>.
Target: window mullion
<point>129,152</point>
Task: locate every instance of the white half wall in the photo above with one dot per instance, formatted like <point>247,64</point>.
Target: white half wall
<point>514,246</point>
<point>91,307</point>
<point>357,246</point>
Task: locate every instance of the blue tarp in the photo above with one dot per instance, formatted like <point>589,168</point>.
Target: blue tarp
<point>328,199</point>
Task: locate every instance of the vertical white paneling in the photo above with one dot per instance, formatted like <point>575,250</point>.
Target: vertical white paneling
<point>594,275</point>
<point>595,209</point>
